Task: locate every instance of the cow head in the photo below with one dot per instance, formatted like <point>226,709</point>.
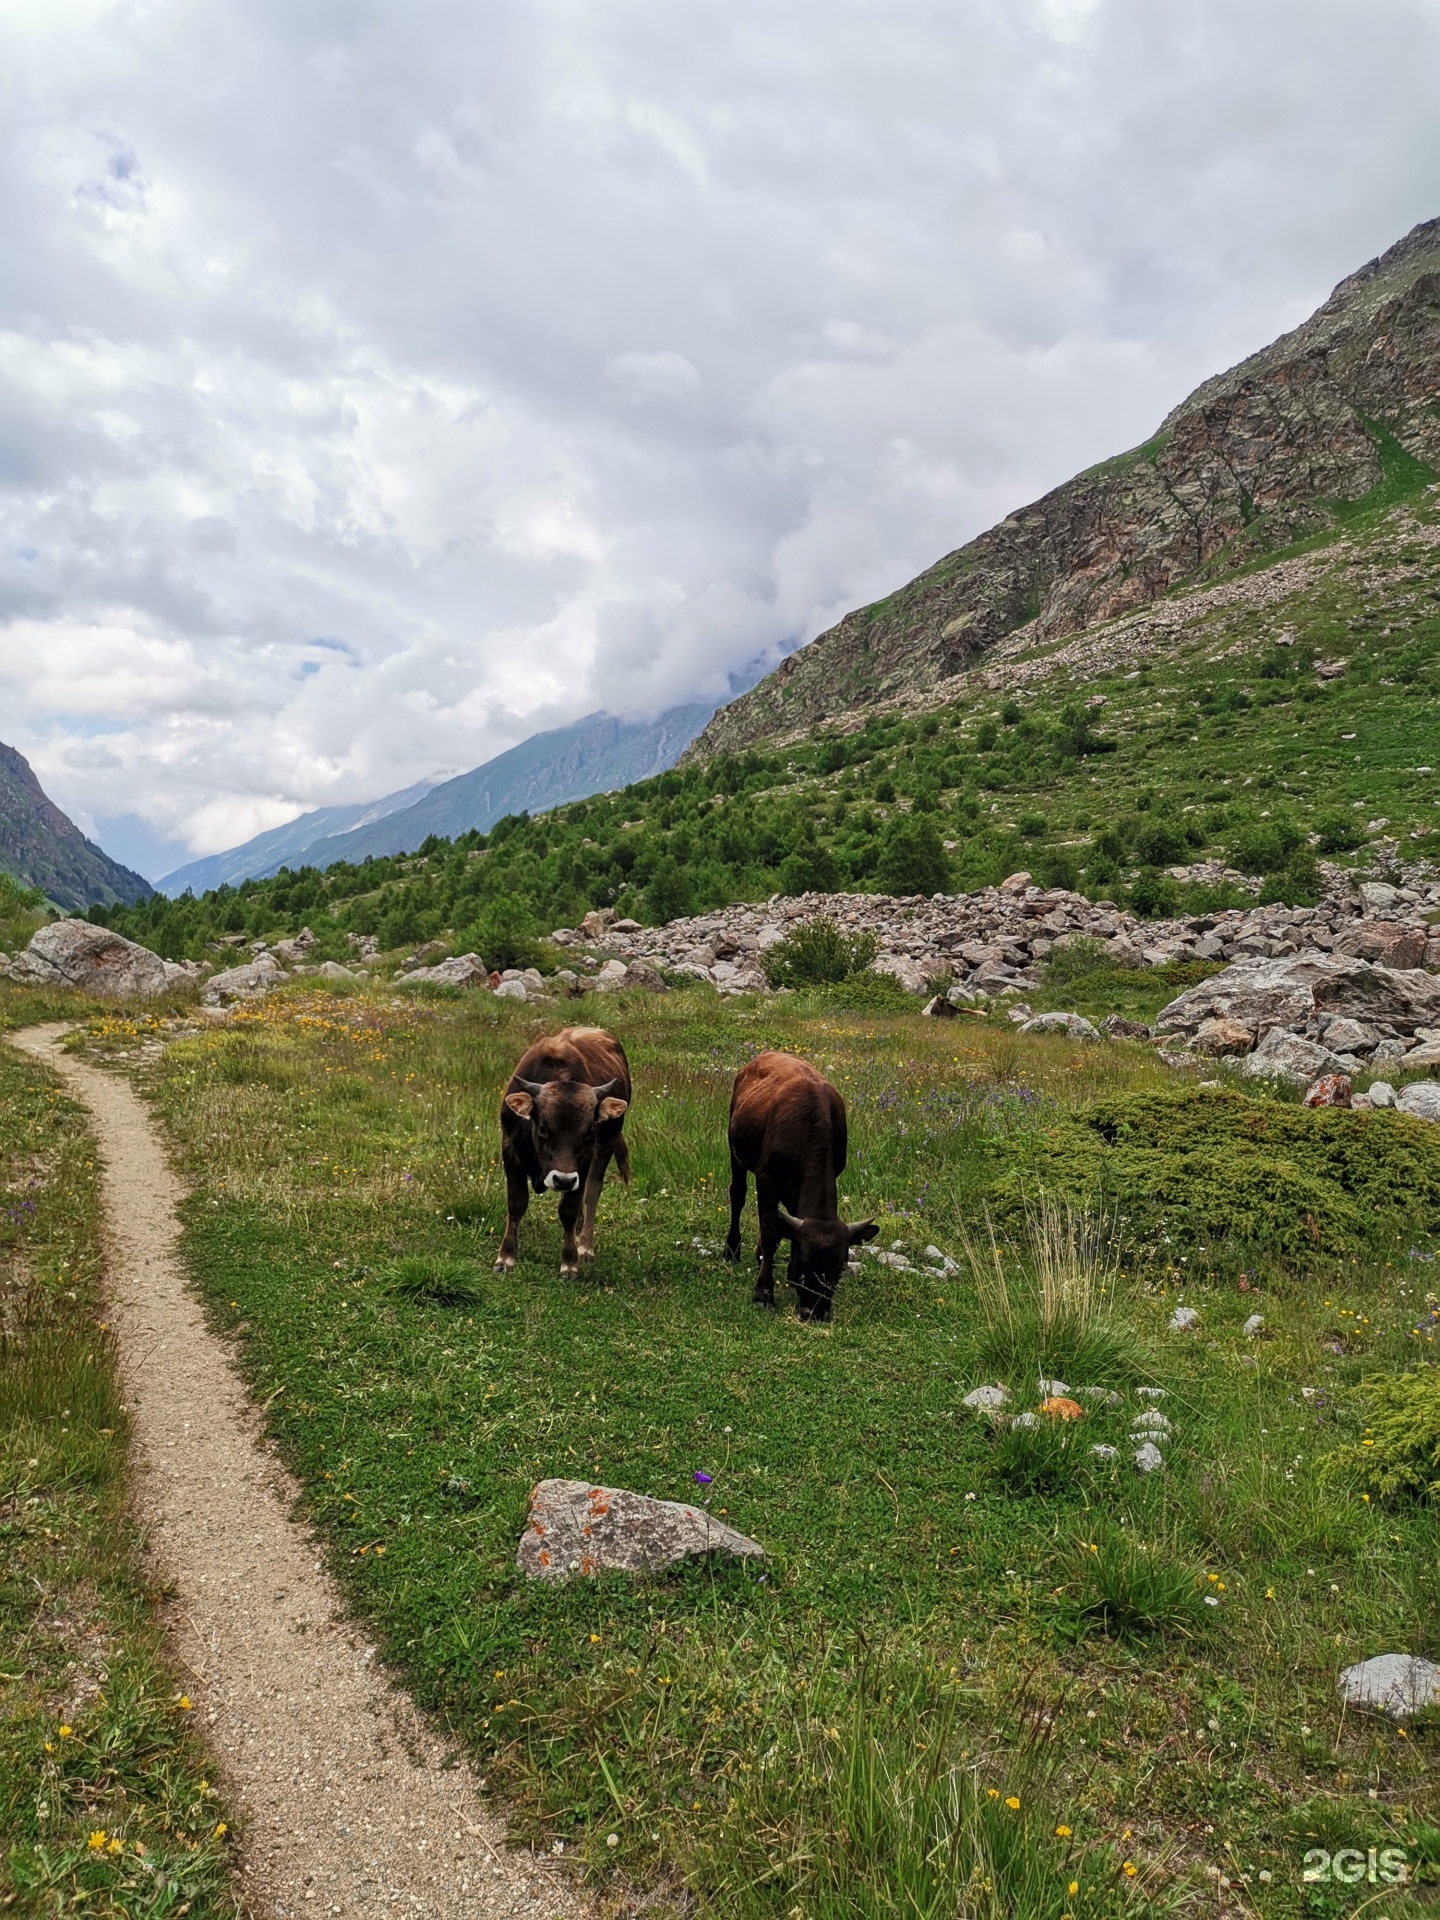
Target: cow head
<point>563,1118</point>
<point>820,1250</point>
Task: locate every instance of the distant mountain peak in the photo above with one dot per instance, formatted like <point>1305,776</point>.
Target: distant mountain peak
<point>43,847</point>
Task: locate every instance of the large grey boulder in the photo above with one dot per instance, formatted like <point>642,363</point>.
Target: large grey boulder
<point>465,970</point>
<point>1400,1684</point>
<point>1073,1025</point>
<point>1421,1101</point>
<point>1286,1056</point>
<point>72,953</point>
<point>1294,989</point>
<point>238,982</point>
<point>575,1527</point>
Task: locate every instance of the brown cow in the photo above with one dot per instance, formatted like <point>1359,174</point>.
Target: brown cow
<point>560,1127</point>
<point>787,1127</point>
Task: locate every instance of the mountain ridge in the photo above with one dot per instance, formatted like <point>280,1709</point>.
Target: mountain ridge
<point>1276,448</point>
<point>43,847</point>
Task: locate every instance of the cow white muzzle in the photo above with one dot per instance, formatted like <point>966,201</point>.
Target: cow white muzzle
<point>562,1182</point>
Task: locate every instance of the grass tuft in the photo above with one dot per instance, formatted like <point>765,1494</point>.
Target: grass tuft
<point>436,1279</point>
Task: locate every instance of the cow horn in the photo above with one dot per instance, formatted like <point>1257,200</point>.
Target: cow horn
<point>788,1221</point>
<point>605,1087</point>
<point>533,1087</point>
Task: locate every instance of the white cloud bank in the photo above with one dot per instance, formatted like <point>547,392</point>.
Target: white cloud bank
<point>380,384</point>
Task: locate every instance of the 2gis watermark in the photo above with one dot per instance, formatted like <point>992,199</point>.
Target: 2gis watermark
<point>1352,1866</point>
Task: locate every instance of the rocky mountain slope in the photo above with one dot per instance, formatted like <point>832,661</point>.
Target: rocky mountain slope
<point>45,849</point>
<point>1342,412</point>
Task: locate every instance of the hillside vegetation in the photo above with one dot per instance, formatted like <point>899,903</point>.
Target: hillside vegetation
<point>1291,711</point>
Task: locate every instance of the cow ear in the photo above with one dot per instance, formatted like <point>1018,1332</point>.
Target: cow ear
<point>612,1108</point>
<point>520,1104</point>
<point>866,1230</point>
<point>789,1225</point>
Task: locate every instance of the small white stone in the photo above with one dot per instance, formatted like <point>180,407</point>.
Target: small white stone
<point>1026,1420</point>
<point>1400,1684</point>
<point>986,1399</point>
<point>1253,1325</point>
<point>1055,1389</point>
<point>1152,1421</point>
<point>1183,1319</point>
<point>1150,1393</point>
<point>1105,1453</point>
<point>1101,1396</point>
<point>1148,1457</point>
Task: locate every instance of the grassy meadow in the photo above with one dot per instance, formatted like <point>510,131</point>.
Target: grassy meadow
<point>104,1804</point>
<point>982,1671</point>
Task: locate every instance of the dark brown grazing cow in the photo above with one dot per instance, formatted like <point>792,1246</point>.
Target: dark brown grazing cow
<point>787,1127</point>
<point>560,1127</point>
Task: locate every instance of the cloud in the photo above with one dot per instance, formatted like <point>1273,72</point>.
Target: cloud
<point>379,386</point>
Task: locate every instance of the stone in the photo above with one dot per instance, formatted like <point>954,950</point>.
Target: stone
<point>1288,1057</point>
<point>1052,1387</point>
<point>940,1008</point>
<point>1381,1094</point>
<point>1427,1054</point>
<point>899,966</point>
<point>1150,1393</point>
<point>1102,1396</point>
<point>464,970</point>
<point>427,955</point>
<point>1059,1407</point>
<point>575,1527</point>
<point>596,923</point>
<point>512,990</point>
<point>1119,1028</point>
<point>1389,943</point>
<point>1379,895</point>
<point>1073,1025</point>
<point>1254,1325</point>
<point>1330,1090</point>
<point>1398,1684</point>
<point>72,953</point>
<point>1151,1420</point>
<point>946,1263</point>
<point>640,973</point>
<point>1102,1452</point>
<point>628,926</point>
<point>1294,989</point>
<point>256,976</point>
<point>1220,1036</point>
<point>610,976</point>
<point>332,970</point>
<point>1184,1320</point>
<point>1348,1036</point>
<point>289,952</point>
<point>1149,1457</point>
<point>1421,1102</point>
<point>1026,1420</point>
<point>986,1399</point>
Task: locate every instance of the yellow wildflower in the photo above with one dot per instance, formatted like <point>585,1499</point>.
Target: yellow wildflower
<point>1062,1833</point>
<point>1128,1866</point>
<point>1013,1804</point>
<point>1073,1888</point>
<point>97,1839</point>
<point>65,1732</point>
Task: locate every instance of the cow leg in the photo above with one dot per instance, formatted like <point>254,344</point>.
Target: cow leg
<point>737,1207</point>
<point>570,1205</point>
<point>765,1252</point>
<point>594,1181</point>
<point>517,1199</point>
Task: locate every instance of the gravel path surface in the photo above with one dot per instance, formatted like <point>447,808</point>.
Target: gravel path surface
<point>345,1805</point>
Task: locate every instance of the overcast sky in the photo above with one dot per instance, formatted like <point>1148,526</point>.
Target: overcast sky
<point>381,382</point>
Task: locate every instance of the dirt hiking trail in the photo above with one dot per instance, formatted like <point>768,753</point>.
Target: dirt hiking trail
<point>337,1780</point>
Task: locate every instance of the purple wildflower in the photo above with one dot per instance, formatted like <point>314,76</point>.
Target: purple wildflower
<point>703,1479</point>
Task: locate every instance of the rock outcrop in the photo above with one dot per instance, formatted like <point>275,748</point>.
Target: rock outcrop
<point>1254,458</point>
<point>43,847</point>
<point>73,953</point>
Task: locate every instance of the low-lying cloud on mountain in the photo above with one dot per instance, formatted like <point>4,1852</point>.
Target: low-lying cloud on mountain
<point>379,388</point>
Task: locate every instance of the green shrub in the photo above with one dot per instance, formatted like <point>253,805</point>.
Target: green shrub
<point>1211,1165</point>
<point>1297,884</point>
<point>1400,1453</point>
<point>503,936</point>
<point>1130,1586</point>
<point>1155,896</point>
<point>669,896</point>
<point>1035,1460</point>
<point>436,1279</point>
<point>912,856</point>
<point>1160,844</point>
<point>1339,832</point>
<point>818,953</point>
<point>868,993</point>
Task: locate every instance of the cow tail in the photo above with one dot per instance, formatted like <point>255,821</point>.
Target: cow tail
<point>622,1159</point>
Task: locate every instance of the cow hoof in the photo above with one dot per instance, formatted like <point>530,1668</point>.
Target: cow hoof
<point>761,1300</point>
<point>505,1263</point>
<point>727,1252</point>
<point>585,1253</point>
<point>571,1272</point>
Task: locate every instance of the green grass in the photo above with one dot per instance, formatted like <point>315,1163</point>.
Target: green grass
<point>932,1628</point>
<point>104,1808</point>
